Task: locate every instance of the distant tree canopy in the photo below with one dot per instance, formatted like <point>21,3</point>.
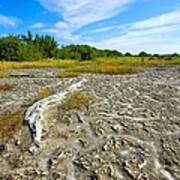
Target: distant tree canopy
<point>84,52</point>
<point>28,47</point>
<point>144,54</point>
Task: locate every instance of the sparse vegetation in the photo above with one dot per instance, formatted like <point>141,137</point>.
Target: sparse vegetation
<point>44,92</point>
<point>105,69</point>
<point>3,75</point>
<point>7,87</point>
<point>10,122</point>
<point>68,74</point>
<point>76,100</point>
<point>73,68</point>
<point>37,64</point>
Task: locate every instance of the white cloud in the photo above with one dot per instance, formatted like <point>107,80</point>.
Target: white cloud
<point>7,21</point>
<point>37,25</point>
<point>157,34</point>
<point>86,11</point>
<point>78,13</point>
<point>162,20</point>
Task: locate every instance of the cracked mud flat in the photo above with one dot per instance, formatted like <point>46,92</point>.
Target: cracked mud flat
<point>130,131</point>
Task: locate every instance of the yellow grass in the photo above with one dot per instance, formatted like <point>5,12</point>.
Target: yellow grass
<point>121,65</point>
<point>137,61</point>
<point>105,69</point>
<point>68,74</point>
<point>3,75</point>
<point>7,87</point>
<point>76,100</point>
<point>44,92</point>
<point>10,122</point>
<point>37,64</point>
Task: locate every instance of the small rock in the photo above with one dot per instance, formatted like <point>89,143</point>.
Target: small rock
<point>17,142</point>
<point>80,118</point>
<point>2,147</point>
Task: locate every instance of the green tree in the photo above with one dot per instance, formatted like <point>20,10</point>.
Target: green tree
<point>128,54</point>
<point>10,48</point>
<point>48,46</point>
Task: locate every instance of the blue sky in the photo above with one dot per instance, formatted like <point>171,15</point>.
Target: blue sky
<point>125,25</point>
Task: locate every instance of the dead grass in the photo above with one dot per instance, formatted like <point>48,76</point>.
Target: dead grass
<point>3,75</point>
<point>105,69</point>
<point>10,122</point>
<point>38,64</point>
<point>44,92</point>
<point>68,74</point>
<point>64,135</point>
<point>7,87</point>
<point>121,65</point>
<point>76,100</point>
<point>136,61</point>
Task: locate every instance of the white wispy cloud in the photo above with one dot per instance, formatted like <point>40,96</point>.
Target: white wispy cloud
<point>78,13</point>
<point>166,19</point>
<point>7,21</point>
<point>156,34</point>
<point>37,25</point>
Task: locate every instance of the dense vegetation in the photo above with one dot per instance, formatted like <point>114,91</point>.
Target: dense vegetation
<point>28,47</point>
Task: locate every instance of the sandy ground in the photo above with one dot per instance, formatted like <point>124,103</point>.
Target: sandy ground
<point>131,130</point>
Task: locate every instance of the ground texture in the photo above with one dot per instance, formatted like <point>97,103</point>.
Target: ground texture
<point>130,128</point>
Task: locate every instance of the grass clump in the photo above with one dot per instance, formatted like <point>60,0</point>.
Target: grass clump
<point>10,122</point>
<point>7,87</point>
<point>44,92</point>
<point>76,100</point>
<point>68,74</point>
<point>3,75</point>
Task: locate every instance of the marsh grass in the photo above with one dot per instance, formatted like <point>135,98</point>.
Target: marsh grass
<point>121,65</point>
<point>44,92</point>
<point>3,75</point>
<point>7,87</point>
<point>10,122</point>
<point>76,100</point>
<point>68,74</point>
<point>38,64</point>
<point>105,69</point>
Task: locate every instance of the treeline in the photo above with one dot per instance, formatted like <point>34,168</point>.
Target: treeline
<point>28,47</point>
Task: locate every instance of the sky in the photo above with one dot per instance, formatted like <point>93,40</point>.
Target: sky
<point>125,25</point>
